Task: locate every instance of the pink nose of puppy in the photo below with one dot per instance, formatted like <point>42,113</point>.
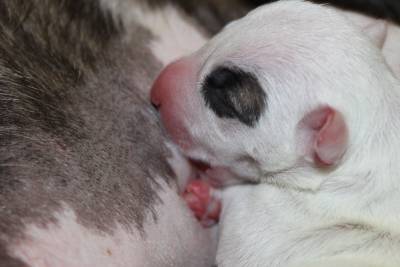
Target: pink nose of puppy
<point>166,83</point>
<point>170,94</point>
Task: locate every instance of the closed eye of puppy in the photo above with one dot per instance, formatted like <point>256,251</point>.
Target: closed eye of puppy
<point>299,98</point>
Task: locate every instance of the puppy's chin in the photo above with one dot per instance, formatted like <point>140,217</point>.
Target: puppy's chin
<point>198,154</point>
<point>218,174</point>
<point>221,171</point>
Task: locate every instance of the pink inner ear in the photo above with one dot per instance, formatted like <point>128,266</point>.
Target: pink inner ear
<point>330,140</point>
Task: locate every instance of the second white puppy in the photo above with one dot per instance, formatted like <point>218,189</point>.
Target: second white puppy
<point>297,97</point>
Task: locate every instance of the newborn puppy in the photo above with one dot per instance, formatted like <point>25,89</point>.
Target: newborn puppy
<point>296,97</point>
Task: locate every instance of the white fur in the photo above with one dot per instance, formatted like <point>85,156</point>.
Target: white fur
<point>180,166</point>
<point>174,37</point>
<point>386,33</point>
<point>305,56</point>
<point>168,241</point>
<point>391,48</point>
<point>174,34</point>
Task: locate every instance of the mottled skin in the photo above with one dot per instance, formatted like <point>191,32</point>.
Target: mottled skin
<point>76,126</point>
<point>57,142</point>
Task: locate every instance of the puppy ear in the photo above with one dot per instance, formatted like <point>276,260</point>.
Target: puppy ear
<point>375,29</point>
<point>377,32</point>
<point>329,135</point>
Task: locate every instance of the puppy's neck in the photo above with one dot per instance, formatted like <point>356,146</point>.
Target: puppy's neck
<point>364,188</point>
<point>377,149</point>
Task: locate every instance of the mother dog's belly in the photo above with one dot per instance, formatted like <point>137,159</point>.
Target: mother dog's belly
<point>174,238</point>
<point>99,192</point>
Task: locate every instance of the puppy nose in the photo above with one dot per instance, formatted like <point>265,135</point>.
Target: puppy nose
<point>171,94</point>
<point>168,83</point>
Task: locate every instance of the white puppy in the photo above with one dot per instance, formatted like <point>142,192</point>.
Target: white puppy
<point>296,97</point>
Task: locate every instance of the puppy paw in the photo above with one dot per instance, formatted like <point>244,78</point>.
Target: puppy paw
<point>201,199</point>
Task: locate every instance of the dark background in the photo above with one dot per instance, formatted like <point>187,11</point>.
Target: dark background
<point>389,9</point>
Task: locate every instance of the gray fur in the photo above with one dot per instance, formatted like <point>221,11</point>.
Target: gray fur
<point>210,15</point>
<point>74,127</point>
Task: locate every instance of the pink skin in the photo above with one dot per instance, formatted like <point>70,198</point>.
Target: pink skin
<point>172,92</point>
<point>330,137</point>
<point>201,200</point>
<point>168,92</point>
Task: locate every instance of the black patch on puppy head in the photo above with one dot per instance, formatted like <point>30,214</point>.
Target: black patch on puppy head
<point>234,93</point>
